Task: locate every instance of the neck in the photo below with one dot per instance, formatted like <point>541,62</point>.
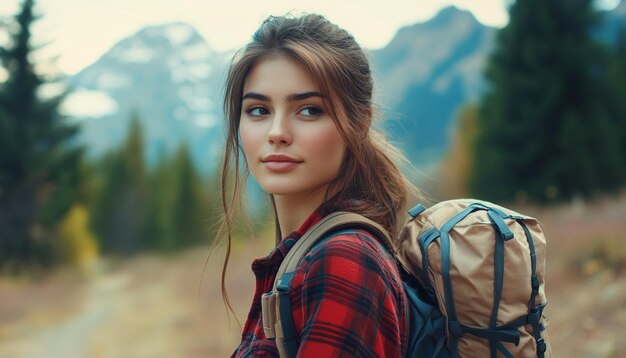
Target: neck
<point>293,210</point>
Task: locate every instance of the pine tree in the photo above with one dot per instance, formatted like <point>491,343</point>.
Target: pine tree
<point>545,132</point>
<point>120,209</point>
<point>180,212</point>
<point>191,209</point>
<point>159,229</point>
<point>617,73</point>
<point>39,164</point>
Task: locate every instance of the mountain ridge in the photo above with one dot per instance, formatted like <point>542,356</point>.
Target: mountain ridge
<point>425,74</point>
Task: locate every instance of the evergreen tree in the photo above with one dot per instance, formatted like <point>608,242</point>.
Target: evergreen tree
<point>191,209</point>
<point>120,210</point>
<point>544,129</point>
<point>159,229</point>
<point>39,167</point>
<point>180,211</point>
<point>617,73</point>
<point>164,210</point>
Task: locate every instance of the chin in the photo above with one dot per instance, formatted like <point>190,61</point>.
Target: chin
<point>290,189</point>
<point>276,189</point>
<point>292,184</point>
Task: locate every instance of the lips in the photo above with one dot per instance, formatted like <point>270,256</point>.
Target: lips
<point>280,162</point>
<point>280,158</point>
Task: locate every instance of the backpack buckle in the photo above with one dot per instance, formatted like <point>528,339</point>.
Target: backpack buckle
<point>534,317</point>
<point>268,310</point>
<point>541,346</point>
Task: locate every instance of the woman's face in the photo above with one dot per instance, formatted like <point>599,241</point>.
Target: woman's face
<point>291,143</point>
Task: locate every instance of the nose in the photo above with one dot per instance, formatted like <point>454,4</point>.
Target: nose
<point>280,131</point>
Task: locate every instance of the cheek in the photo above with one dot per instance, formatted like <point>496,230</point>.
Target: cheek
<point>327,146</point>
<point>250,140</point>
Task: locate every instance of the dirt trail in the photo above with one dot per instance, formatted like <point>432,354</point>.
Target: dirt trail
<point>70,337</point>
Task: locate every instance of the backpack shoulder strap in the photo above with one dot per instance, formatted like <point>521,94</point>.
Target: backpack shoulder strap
<point>334,222</point>
<point>276,305</point>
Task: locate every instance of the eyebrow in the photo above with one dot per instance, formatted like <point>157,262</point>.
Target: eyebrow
<point>291,98</point>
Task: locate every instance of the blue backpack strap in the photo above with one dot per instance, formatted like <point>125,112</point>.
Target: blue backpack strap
<point>498,272</point>
<point>424,241</point>
<point>290,337</point>
<point>453,324</point>
<point>536,312</point>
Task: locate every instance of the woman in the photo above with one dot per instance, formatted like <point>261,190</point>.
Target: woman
<point>299,103</point>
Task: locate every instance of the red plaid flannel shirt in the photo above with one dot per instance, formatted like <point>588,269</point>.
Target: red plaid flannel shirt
<point>347,298</point>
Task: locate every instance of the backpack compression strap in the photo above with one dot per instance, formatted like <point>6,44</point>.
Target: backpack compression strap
<point>276,305</point>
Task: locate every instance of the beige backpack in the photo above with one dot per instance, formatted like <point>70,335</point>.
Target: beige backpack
<point>484,265</point>
<point>475,280</point>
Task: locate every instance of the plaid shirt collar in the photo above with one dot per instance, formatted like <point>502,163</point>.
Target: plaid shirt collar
<point>272,261</point>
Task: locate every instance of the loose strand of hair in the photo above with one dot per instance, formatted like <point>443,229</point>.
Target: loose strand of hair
<point>227,223</point>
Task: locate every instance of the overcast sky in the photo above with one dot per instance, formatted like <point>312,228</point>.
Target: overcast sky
<point>80,31</point>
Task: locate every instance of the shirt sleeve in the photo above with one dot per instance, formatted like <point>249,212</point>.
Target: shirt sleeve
<point>349,302</point>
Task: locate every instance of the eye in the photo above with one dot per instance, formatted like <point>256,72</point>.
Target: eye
<point>311,111</point>
<point>257,111</point>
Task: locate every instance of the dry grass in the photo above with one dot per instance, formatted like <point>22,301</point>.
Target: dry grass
<point>150,306</point>
<point>585,284</point>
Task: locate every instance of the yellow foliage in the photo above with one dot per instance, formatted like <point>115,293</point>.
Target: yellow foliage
<point>457,167</point>
<point>78,245</point>
<point>602,254</point>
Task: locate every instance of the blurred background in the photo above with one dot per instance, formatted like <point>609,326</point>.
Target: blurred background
<point>111,132</point>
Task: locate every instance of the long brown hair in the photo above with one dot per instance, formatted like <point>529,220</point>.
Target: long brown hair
<point>369,175</point>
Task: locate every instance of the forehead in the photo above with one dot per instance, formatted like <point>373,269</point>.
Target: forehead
<point>279,74</point>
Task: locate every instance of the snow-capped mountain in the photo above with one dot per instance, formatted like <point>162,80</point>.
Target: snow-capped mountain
<point>166,75</point>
